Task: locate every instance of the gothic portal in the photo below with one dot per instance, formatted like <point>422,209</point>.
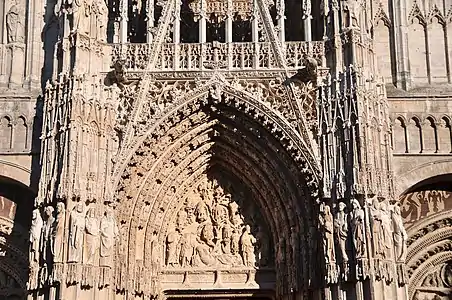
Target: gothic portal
<point>225,149</point>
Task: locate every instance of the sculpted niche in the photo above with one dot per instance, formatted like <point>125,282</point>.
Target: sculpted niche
<point>210,230</point>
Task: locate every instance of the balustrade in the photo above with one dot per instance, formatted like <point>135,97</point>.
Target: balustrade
<point>205,56</point>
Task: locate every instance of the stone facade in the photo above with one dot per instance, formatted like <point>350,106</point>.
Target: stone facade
<point>267,149</point>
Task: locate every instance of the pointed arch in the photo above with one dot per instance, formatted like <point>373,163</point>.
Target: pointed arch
<point>215,130</point>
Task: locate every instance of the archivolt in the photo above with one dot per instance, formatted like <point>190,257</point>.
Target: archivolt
<point>226,130</point>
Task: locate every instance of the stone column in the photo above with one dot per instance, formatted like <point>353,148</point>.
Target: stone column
<point>281,8</point>
<point>150,22</point>
<point>123,35</point>
<point>306,16</point>
<point>202,22</point>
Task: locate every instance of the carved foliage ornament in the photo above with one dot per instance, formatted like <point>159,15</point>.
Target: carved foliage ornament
<point>220,9</point>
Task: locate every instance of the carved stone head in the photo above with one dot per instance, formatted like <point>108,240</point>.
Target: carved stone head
<point>60,207</point>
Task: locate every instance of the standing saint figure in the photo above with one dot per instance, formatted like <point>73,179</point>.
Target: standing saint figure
<point>377,228</point>
<point>91,236</point>
<point>15,24</point>
<point>47,233</point>
<point>386,225</point>
<point>341,230</point>
<point>58,233</point>
<point>327,225</point>
<point>247,242</point>
<point>357,222</point>
<point>76,233</point>
<point>400,235</point>
<point>108,233</point>
<point>35,235</point>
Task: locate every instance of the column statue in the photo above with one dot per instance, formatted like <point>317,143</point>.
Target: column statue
<point>341,230</point>
<point>76,233</point>
<point>357,224</point>
<point>400,235</point>
<point>327,228</point>
<point>91,236</point>
<point>58,233</point>
<point>35,235</point>
<point>108,234</point>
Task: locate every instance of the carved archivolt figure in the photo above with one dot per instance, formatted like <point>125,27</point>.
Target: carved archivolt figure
<point>58,233</point>
<point>341,230</point>
<point>327,225</point>
<point>35,235</point>
<point>400,235</point>
<point>15,23</point>
<point>357,222</point>
<point>91,236</point>
<point>247,242</point>
<point>76,232</point>
<point>47,233</point>
<point>102,20</point>
<point>108,233</point>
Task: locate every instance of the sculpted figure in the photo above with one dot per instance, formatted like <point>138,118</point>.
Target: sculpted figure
<point>15,23</point>
<point>102,20</point>
<point>400,235</point>
<point>386,226</point>
<point>81,16</point>
<point>377,228</point>
<point>47,233</point>
<point>108,233</point>
<point>327,225</point>
<point>172,242</point>
<point>247,244</point>
<point>235,241</point>
<point>58,233</point>
<point>357,222</point>
<point>341,230</point>
<point>35,235</point>
<point>76,232</point>
<point>91,236</point>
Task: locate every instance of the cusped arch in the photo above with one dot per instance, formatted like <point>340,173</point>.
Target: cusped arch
<point>225,130</point>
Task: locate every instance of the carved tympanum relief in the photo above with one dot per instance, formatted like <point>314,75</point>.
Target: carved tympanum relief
<point>418,205</point>
<point>211,231</point>
<point>437,284</point>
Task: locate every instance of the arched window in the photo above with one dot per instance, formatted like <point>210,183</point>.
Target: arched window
<point>400,141</point>
<point>415,136</point>
<point>445,136</point>
<point>6,132</point>
<point>429,136</point>
<point>20,134</point>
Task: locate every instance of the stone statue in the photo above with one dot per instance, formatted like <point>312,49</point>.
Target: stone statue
<point>172,241</point>
<point>102,20</point>
<point>327,226</point>
<point>386,226</point>
<point>399,234</point>
<point>357,224</point>
<point>81,16</point>
<point>47,233</point>
<point>247,242</point>
<point>76,233</point>
<point>377,228</point>
<point>341,230</point>
<point>15,24</point>
<point>58,233</point>
<point>109,231</point>
<point>35,235</point>
<point>91,236</point>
